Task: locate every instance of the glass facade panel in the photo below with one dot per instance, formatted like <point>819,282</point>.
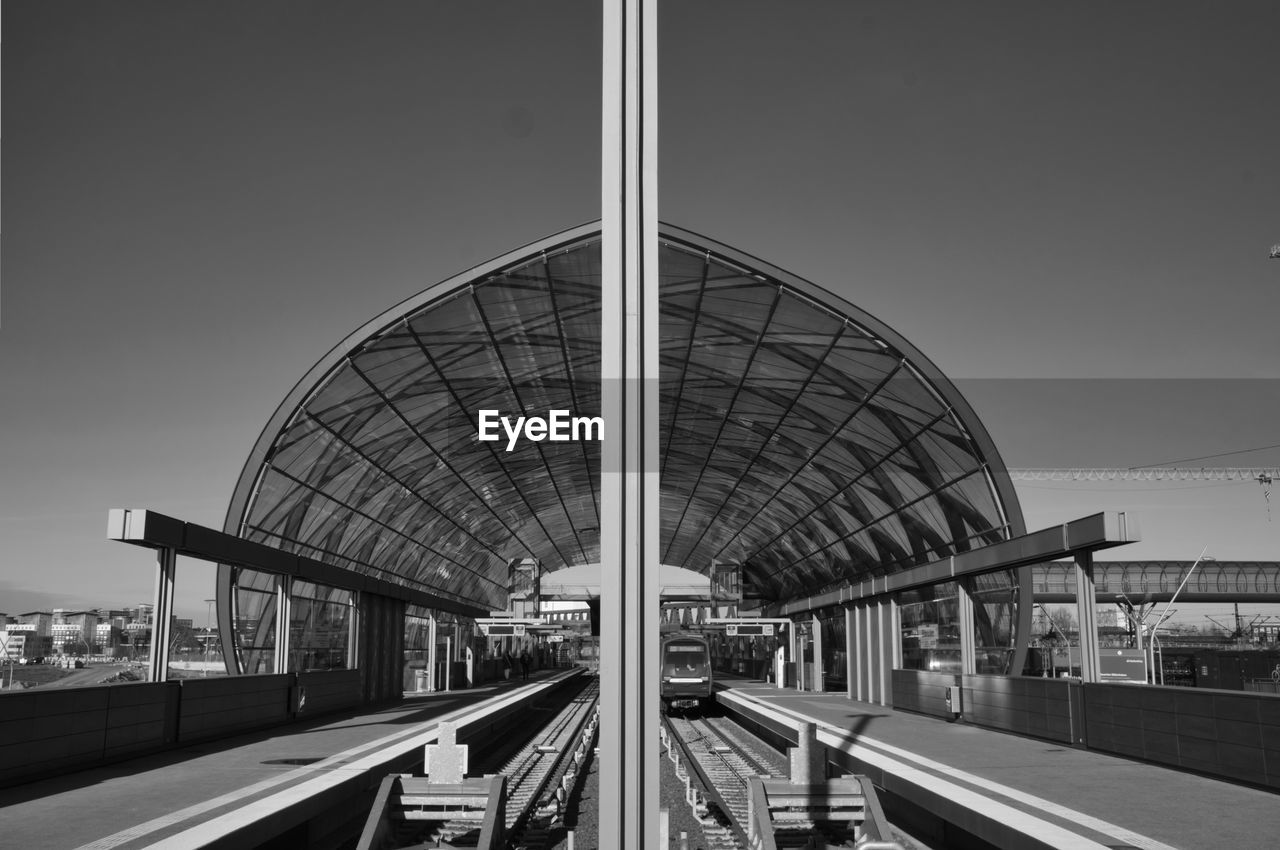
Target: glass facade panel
<point>835,656</point>
<point>930,623</point>
<point>320,620</point>
<point>255,621</point>
<point>994,608</point>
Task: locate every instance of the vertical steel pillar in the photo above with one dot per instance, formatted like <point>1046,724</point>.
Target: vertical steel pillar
<point>851,665</point>
<point>226,606</point>
<point>876,653</point>
<point>780,662</point>
<point>818,671</point>
<point>353,630</point>
<point>964,606</point>
<point>798,653</point>
<point>891,647</point>
<point>866,627</point>
<point>629,515</point>
<point>1087,615</point>
<point>448,664</point>
<point>283,618</point>
<point>162,613</point>
<point>431,653</point>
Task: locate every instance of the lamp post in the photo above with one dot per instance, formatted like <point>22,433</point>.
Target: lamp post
<point>1167,612</point>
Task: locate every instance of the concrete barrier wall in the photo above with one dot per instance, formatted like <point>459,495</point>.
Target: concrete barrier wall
<point>1040,708</point>
<point>53,731</point>
<point>922,691</point>
<point>48,731</point>
<point>141,718</point>
<point>329,690</point>
<point>214,707</point>
<point>1231,734</point>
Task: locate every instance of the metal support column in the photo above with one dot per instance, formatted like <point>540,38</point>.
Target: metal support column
<point>353,631</point>
<point>1087,615</point>
<point>876,653</point>
<point>818,672</point>
<point>850,652</point>
<point>964,610</point>
<point>431,652</point>
<point>793,645</point>
<point>162,613</point>
<point>629,515</point>
<point>283,618</point>
<point>780,664</point>
<point>866,627</point>
<point>891,648</point>
<point>448,665</point>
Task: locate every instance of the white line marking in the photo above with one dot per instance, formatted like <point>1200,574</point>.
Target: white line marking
<point>841,740</point>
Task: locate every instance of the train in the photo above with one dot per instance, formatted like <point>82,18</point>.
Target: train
<point>685,669</point>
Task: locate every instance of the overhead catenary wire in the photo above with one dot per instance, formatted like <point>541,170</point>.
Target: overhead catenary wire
<point>1169,463</point>
<point>1263,474</point>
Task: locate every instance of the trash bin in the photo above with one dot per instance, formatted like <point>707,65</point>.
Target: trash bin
<point>420,680</point>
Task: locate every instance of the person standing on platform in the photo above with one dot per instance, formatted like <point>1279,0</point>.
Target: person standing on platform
<point>524,662</point>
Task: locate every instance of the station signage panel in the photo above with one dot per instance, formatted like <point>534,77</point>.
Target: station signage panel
<point>1122,665</point>
<point>928,635</point>
<point>502,629</point>
<point>749,629</point>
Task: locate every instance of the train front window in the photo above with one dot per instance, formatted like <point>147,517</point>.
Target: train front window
<point>685,660</point>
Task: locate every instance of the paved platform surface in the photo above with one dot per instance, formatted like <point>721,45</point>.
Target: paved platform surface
<point>141,802</point>
<point>1069,797</point>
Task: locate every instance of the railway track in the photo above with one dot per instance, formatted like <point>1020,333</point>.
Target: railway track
<point>716,758</point>
<point>540,777</point>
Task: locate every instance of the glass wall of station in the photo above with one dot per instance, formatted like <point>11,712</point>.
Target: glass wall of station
<point>417,647</point>
<point>461,655</point>
<point>453,637</point>
<point>322,624</point>
<point>751,657</point>
<point>835,655</point>
<point>321,620</point>
<point>995,621</point>
<point>255,620</point>
<point>929,622</point>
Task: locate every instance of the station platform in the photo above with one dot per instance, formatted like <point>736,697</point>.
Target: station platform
<point>243,790</point>
<point>1019,792</point>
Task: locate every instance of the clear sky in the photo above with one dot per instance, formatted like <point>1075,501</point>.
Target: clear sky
<point>1067,206</point>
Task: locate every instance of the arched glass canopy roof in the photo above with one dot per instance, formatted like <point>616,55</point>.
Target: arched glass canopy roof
<point>800,436</point>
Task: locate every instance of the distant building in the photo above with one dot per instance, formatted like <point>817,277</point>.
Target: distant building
<point>117,617</point>
<point>42,620</point>
<point>74,632</point>
<point>27,635</point>
<point>109,638</point>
